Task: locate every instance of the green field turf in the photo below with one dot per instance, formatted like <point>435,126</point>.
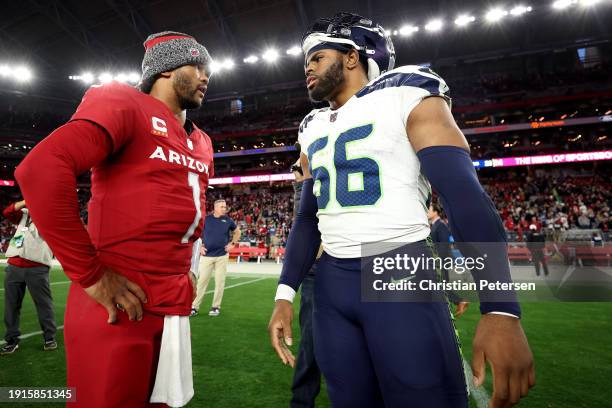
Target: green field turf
<point>234,365</point>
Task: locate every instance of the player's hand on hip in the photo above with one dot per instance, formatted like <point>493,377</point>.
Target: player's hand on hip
<point>203,250</point>
<point>500,340</point>
<point>116,292</point>
<point>280,331</point>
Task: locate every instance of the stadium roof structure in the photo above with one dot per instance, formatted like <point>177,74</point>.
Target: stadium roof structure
<point>58,39</point>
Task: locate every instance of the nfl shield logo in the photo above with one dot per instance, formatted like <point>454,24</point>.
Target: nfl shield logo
<point>194,52</point>
<point>333,117</point>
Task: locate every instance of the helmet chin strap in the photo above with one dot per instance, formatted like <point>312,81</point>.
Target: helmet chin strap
<point>373,70</point>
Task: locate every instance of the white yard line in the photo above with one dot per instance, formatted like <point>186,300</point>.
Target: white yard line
<point>25,336</point>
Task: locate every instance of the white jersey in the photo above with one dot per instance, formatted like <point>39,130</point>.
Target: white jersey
<point>367,177</point>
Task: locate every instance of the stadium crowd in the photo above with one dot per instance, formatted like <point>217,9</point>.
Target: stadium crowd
<point>490,93</point>
<point>557,202</point>
<point>263,215</point>
<point>553,203</point>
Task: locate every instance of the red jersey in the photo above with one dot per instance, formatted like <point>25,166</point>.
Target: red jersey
<point>149,180</point>
<point>148,197</point>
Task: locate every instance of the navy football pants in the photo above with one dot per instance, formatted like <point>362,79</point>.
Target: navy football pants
<point>383,354</point>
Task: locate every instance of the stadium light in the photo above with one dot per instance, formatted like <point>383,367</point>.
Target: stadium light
<point>215,67</point>
<point>495,15</point>
<point>434,25</point>
<point>270,55</point>
<point>5,71</point>
<point>133,77</point>
<point>463,20</point>
<point>22,74</point>
<point>19,73</point>
<point>295,50</point>
<point>105,77</point>
<point>563,4</point>
<point>228,64</point>
<point>408,30</point>
<point>520,10</point>
<point>219,66</point>
<point>87,77</point>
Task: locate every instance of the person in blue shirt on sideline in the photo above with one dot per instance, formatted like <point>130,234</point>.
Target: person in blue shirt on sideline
<point>215,248</point>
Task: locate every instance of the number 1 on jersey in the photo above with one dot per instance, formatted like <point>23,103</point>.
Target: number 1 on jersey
<point>193,179</point>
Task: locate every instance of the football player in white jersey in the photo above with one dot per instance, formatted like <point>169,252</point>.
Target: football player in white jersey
<point>369,159</point>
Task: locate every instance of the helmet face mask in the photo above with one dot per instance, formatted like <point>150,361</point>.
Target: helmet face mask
<point>345,31</point>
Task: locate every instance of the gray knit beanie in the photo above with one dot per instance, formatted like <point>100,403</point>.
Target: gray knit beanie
<point>169,50</point>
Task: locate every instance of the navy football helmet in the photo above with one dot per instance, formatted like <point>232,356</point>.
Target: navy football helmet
<point>345,31</point>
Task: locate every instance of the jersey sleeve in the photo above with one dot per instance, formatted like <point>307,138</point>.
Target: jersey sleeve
<point>47,178</point>
<point>111,107</point>
<point>409,85</point>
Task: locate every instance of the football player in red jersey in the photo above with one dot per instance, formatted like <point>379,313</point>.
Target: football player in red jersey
<point>130,268</point>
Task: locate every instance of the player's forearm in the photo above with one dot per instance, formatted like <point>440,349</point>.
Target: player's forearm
<point>47,178</point>
<point>19,205</point>
<point>473,220</point>
<point>236,236</point>
<point>302,245</point>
